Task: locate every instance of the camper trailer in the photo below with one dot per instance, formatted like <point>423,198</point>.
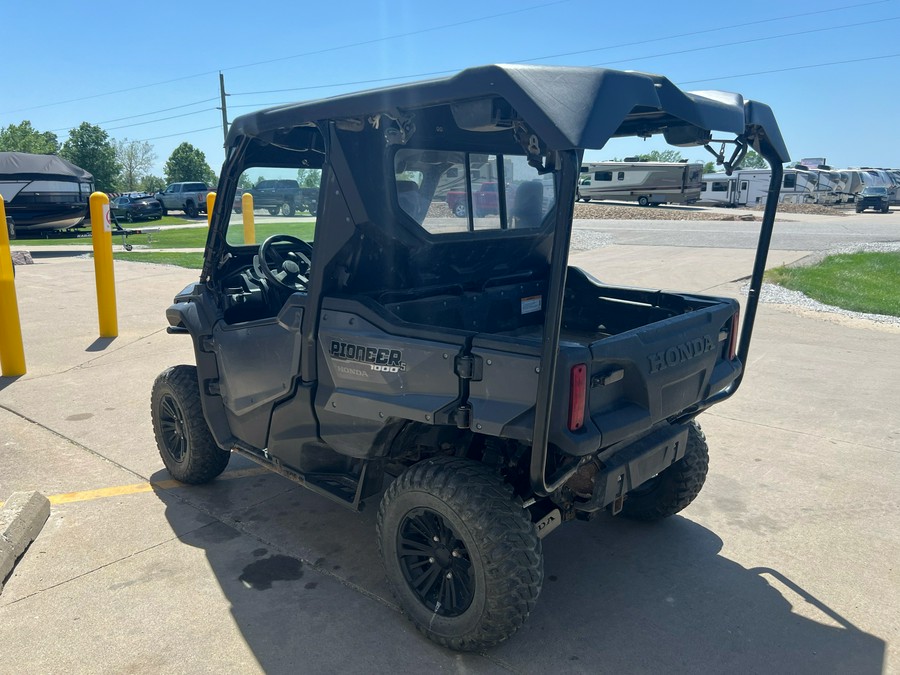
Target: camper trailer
<point>749,187</point>
<point>647,183</point>
<point>829,185</point>
<point>43,192</point>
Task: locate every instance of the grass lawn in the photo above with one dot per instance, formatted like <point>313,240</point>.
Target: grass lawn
<point>189,260</point>
<point>859,282</point>
<point>188,237</point>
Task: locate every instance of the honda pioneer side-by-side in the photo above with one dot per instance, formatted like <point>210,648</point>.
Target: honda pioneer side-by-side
<point>450,358</point>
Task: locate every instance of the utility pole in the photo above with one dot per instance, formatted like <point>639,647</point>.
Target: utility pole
<point>224,110</point>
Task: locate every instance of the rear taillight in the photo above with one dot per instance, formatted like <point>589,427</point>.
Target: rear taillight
<point>577,396</point>
<point>732,339</point>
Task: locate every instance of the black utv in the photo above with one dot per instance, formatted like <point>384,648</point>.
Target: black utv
<point>458,362</point>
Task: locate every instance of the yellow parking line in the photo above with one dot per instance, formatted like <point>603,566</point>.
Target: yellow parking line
<point>137,488</point>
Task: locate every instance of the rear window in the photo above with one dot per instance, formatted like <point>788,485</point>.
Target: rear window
<point>194,187</point>
<point>448,192</point>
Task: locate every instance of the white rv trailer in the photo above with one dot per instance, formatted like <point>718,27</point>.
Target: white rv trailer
<point>829,186</point>
<point>647,183</point>
<point>749,187</point>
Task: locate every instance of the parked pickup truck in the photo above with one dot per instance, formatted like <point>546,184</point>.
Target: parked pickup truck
<point>283,197</point>
<point>189,197</point>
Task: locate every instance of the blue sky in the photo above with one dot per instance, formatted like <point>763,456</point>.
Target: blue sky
<point>161,60</point>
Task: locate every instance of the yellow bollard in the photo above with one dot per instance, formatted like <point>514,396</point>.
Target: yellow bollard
<point>249,224</point>
<point>12,355</point>
<point>101,235</point>
<point>210,204</point>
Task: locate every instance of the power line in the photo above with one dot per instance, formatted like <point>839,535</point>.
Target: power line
<point>675,36</point>
<point>152,112</point>
<point>180,133</point>
<point>396,78</point>
<point>300,55</point>
<point>161,119</point>
<point>749,41</point>
<point>786,69</point>
<point>683,82</point>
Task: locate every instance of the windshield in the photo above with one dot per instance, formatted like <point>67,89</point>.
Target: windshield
<point>875,191</point>
<point>281,200</point>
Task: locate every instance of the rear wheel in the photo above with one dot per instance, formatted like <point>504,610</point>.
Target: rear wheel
<point>643,201</point>
<point>460,552</point>
<point>128,217</point>
<point>190,210</point>
<point>185,443</point>
<point>672,490</point>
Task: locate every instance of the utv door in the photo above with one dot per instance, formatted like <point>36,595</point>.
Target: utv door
<point>259,364</point>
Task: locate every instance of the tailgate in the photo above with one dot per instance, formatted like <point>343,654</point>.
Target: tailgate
<point>646,375</point>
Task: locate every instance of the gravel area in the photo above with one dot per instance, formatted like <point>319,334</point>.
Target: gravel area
<point>772,293</point>
<point>608,211</point>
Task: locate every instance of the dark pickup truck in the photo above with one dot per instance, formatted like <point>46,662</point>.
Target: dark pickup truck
<point>873,198</point>
<point>460,362</point>
<point>283,197</point>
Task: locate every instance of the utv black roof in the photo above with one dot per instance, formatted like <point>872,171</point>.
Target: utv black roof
<point>567,107</point>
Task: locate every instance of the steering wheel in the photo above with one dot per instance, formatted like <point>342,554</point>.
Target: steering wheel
<point>286,269</point>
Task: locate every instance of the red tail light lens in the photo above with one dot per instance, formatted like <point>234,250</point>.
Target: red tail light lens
<point>732,340</point>
<point>577,396</point>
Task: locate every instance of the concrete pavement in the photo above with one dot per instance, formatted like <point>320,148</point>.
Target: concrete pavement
<point>787,562</point>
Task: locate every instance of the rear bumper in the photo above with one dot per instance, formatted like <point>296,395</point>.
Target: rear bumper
<point>633,465</point>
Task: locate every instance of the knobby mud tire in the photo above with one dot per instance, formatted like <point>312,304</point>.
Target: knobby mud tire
<point>498,539</point>
<point>182,436</point>
<point>676,487</point>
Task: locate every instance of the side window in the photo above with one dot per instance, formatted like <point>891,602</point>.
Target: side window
<point>790,180</point>
<point>603,175</point>
<point>720,186</point>
<point>621,175</point>
<point>447,192</point>
<point>291,210</point>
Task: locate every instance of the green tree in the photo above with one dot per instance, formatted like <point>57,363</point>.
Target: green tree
<point>89,147</point>
<point>661,156</point>
<point>709,167</point>
<point>309,178</point>
<point>188,163</point>
<point>25,138</point>
<point>136,158</point>
<point>245,182</point>
<point>754,160</point>
<point>151,184</point>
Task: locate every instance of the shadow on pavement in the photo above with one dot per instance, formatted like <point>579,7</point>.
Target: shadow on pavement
<point>7,381</point>
<point>100,344</point>
<point>302,574</point>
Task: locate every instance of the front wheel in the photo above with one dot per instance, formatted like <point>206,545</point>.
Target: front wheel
<point>643,201</point>
<point>185,443</point>
<point>163,210</point>
<point>460,552</point>
<point>673,489</point>
<point>287,210</point>
<point>459,210</point>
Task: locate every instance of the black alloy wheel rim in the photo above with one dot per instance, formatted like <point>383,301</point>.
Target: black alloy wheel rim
<point>435,563</point>
<point>172,427</point>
